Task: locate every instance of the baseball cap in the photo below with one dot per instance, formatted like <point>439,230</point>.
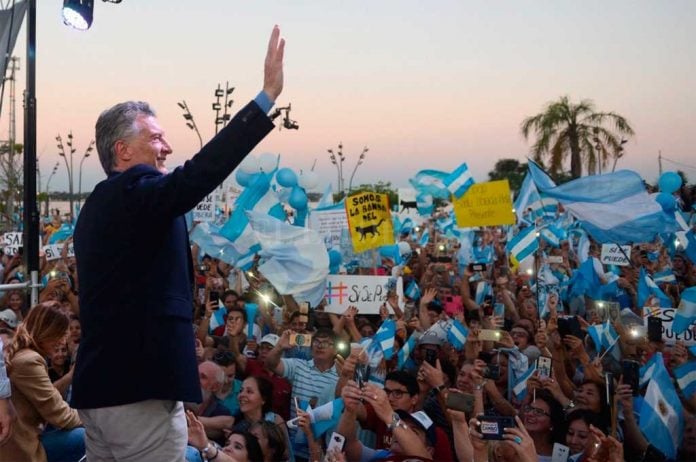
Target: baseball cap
<point>271,339</point>
<point>430,339</point>
<point>8,317</point>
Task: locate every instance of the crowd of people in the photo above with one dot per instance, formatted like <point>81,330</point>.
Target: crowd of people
<point>262,378</point>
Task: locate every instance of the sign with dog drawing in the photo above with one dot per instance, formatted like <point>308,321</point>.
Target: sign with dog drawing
<point>369,220</point>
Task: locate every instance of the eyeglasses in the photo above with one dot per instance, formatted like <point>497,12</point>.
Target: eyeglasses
<point>398,394</point>
<point>535,411</point>
<point>322,344</point>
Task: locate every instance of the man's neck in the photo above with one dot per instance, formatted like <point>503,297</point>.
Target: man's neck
<point>324,364</point>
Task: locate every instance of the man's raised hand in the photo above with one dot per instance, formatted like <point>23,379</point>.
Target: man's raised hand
<point>273,66</point>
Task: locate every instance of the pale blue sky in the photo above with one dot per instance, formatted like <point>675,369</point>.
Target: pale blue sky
<point>423,84</point>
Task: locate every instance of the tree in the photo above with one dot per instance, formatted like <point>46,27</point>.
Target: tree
<point>510,169</point>
<point>567,129</point>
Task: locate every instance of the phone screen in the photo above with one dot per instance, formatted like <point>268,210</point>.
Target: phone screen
<point>544,366</point>
<point>654,329</point>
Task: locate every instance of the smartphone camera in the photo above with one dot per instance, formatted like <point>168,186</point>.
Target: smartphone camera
<point>431,357</point>
<point>214,296</point>
<point>492,427</point>
<point>362,374</point>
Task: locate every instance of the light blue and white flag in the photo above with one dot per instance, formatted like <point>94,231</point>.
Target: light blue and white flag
<point>296,261</point>
<point>553,235</point>
<point>613,208</point>
<point>666,276</point>
<point>459,181</point>
<point>690,248</point>
<point>647,370</point>
<point>326,416</point>
<point>483,289</point>
<point>524,244</point>
<point>686,378</point>
<point>661,415</point>
<point>686,312</point>
<point>217,319</point>
<point>445,224</point>
<point>413,291</point>
<point>519,389</point>
<point>457,334</point>
<point>405,351</point>
<point>424,202</point>
<point>327,199</point>
<point>425,237</point>
<point>61,234</point>
<point>530,205</point>
<point>384,337</point>
<point>431,182</point>
<point>207,236</point>
<point>603,335</point>
<point>648,288</point>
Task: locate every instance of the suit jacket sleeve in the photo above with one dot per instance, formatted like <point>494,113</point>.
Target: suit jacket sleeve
<point>154,194</point>
<point>30,376</point>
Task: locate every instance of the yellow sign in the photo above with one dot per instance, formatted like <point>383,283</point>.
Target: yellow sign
<point>485,204</point>
<point>369,221</point>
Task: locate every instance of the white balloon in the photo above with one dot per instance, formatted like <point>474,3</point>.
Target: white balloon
<point>250,165</point>
<point>268,162</point>
<point>308,180</point>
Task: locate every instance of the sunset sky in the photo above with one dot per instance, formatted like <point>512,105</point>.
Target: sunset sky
<point>422,84</point>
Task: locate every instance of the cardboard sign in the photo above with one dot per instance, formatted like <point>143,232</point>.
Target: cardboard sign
<point>329,224</point>
<point>613,254</point>
<point>668,335</point>
<point>12,239</point>
<point>368,293</point>
<point>485,204</point>
<point>369,220</point>
<point>53,251</point>
<point>205,210</point>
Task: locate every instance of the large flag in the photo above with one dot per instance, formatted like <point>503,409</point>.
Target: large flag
<point>524,244</point>
<point>207,236</point>
<point>686,378</point>
<point>686,312</point>
<point>661,415</point>
<point>613,208</point>
<point>459,181</point>
<point>296,261</point>
<point>384,337</point>
<point>424,202</point>
<point>405,351</point>
<point>530,205</point>
<point>648,288</point>
<point>431,182</point>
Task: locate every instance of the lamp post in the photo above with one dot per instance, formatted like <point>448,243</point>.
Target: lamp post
<point>217,107</point>
<point>190,123</point>
<point>337,158</point>
<point>357,164</point>
<point>79,187</point>
<point>619,153</point>
<point>68,166</point>
<point>48,183</point>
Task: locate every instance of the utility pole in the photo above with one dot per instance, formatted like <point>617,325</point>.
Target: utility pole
<point>9,169</point>
<point>659,160</point>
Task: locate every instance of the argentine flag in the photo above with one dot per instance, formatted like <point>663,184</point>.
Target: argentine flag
<point>553,235</point>
<point>457,334</point>
<point>519,389</point>
<point>384,337</point>
<point>413,291</point>
<point>686,313</point>
<point>613,208</point>
<point>647,287</point>
<point>459,181</point>
<point>530,201</point>
<point>647,370</point>
<point>326,416</point>
<point>524,244</point>
<point>431,182</point>
<point>661,415</point>
<point>603,335</point>
<point>424,202</point>
<point>405,351</point>
<point>425,237</point>
<point>666,276</point>
<point>686,378</point>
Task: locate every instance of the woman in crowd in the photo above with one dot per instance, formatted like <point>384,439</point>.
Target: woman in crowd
<point>541,418</point>
<point>239,447</point>
<point>578,436</point>
<point>60,370</point>
<point>272,441</point>
<point>14,301</point>
<point>34,397</point>
<point>255,399</point>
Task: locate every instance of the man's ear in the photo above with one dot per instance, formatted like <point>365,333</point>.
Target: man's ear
<point>123,153</point>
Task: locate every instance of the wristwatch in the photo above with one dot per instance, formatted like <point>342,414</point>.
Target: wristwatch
<point>439,388</point>
<point>570,406</point>
<point>481,385</point>
<point>395,422</point>
<point>207,452</point>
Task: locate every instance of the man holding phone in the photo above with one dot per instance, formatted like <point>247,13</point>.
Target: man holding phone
<point>146,290</point>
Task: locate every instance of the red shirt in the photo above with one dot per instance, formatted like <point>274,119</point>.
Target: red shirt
<point>281,387</point>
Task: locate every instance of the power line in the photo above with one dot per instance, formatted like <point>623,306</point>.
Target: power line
<point>679,163</point>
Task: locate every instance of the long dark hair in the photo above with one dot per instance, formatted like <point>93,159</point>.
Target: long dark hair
<point>557,416</point>
<point>277,443</point>
<point>254,452</point>
<point>265,387</point>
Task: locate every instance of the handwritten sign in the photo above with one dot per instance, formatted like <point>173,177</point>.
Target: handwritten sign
<point>11,242</point>
<point>368,293</point>
<point>205,210</point>
<point>54,251</point>
<point>369,220</point>
<point>668,335</point>
<point>613,254</point>
<point>329,224</point>
<point>485,204</point>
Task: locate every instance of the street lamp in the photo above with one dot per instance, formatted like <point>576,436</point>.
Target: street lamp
<point>217,107</point>
<point>357,164</point>
<point>337,159</point>
<point>190,123</point>
<point>69,166</point>
<point>79,187</point>
<point>48,182</point>
<point>619,153</point>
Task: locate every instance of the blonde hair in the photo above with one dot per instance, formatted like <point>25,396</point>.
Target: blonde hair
<point>45,321</point>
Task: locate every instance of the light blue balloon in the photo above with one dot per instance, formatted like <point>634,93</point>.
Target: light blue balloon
<point>298,198</point>
<point>334,258</point>
<point>242,178</point>
<point>286,178</point>
<point>669,182</point>
<point>667,202</point>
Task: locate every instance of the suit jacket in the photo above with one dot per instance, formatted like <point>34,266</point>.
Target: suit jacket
<point>37,402</point>
<point>134,266</point>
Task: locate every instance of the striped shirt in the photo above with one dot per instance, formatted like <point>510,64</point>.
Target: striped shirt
<point>5,382</point>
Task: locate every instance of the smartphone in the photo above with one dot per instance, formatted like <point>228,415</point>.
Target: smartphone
<point>431,357</point>
<point>301,340</point>
<point>570,326</point>
<point>492,426</point>
<point>499,309</point>
<point>654,329</point>
<point>490,335</point>
<point>631,374</point>
<point>214,296</point>
<point>476,267</point>
<point>554,259</point>
<point>444,259</point>
<point>491,371</point>
<point>609,386</point>
<point>463,402</point>
<point>560,453</point>
<point>336,442</point>
<point>544,364</point>
<point>361,374</point>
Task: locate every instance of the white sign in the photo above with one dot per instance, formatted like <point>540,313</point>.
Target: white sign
<point>205,210</point>
<point>13,239</point>
<point>54,251</point>
<point>329,224</point>
<point>368,293</point>
<point>668,335</point>
<point>613,254</point>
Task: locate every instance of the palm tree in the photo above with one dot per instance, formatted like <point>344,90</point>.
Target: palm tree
<point>566,128</point>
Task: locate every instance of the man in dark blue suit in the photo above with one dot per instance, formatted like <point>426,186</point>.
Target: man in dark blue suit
<point>136,362</point>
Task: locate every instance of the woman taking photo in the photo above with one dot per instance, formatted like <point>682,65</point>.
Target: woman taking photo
<point>34,397</point>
